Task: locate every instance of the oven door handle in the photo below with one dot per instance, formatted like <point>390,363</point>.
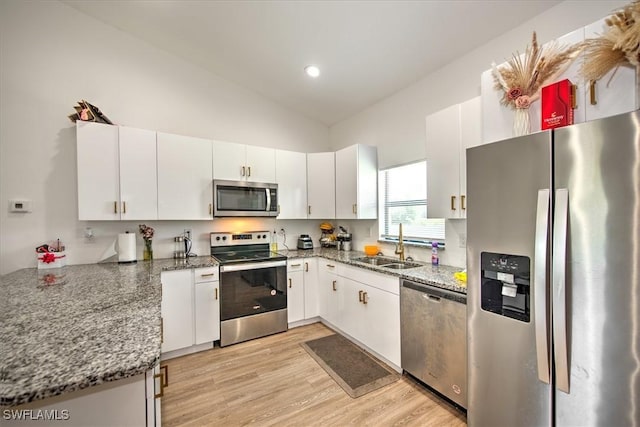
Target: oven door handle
<point>252,266</point>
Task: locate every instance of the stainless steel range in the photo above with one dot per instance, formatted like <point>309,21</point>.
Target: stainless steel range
<point>253,290</point>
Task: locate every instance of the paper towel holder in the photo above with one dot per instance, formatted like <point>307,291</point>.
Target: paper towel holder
<point>127,248</point>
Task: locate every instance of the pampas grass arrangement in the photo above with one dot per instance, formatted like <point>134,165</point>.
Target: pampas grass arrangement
<point>618,46</point>
<point>522,78</point>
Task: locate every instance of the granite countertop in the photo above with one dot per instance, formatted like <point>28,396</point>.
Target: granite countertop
<point>440,276</point>
<point>69,328</point>
<point>73,327</point>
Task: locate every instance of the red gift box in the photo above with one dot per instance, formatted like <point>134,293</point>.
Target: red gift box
<point>558,101</point>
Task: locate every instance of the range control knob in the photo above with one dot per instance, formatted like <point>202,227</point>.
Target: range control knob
<point>224,237</point>
<point>217,237</point>
<point>259,236</point>
<point>264,236</point>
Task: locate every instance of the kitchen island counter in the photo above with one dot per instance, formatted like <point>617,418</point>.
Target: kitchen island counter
<point>70,328</point>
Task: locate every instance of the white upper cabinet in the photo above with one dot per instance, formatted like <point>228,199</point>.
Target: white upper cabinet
<point>116,172</point>
<point>239,162</point>
<point>321,186</point>
<point>291,177</point>
<point>357,182</point>
<point>449,133</point>
<point>613,94</point>
<point>185,178</point>
<point>138,174</point>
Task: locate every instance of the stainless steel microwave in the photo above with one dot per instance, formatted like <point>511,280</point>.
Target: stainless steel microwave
<point>242,198</point>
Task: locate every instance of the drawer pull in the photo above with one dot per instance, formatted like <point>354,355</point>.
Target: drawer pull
<point>296,265</point>
<point>331,266</point>
<point>208,275</point>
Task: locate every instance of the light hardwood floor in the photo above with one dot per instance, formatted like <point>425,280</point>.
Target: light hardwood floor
<point>273,381</point>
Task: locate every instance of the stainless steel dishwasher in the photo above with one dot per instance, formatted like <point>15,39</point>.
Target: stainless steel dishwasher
<point>433,331</point>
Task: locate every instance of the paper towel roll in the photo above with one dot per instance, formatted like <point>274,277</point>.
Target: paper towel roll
<point>126,247</point>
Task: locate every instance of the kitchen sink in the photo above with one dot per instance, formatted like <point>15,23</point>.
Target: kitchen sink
<point>376,260</point>
<point>401,265</point>
<point>391,263</point>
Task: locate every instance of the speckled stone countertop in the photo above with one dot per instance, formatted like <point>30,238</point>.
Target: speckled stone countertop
<point>440,276</point>
<point>69,328</point>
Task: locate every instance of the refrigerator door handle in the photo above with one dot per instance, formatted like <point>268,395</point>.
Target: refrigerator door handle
<point>560,225</point>
<point>540,284</point>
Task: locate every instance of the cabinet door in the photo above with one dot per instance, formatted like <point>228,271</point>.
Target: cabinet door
<point>367,192</point>
<point>352,319</point>
<point>382,317</point>
<point>347,182</point>
<point>295,296</point>
<point>207,312</point>
<point>261,164</point>
<point>327,282</point>
<point>470,136</point>
<point>98,171</point>
<point>311,291</point>
<point>321,188</point>
<point>616,92</point>
<point>185,185</point>
<point>443,163</point>
<point>177,310</point>
<point>291,177</point>
<point>229,161</point>
<point>138,174</point>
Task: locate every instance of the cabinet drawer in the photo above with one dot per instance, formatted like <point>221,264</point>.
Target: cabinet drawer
<point>371,278</point>
<point>295,265</point>
<point>207,274</point>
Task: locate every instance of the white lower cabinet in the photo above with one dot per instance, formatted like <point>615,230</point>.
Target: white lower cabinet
<point>369,310</point>
<point>177,309</point>
<point>295,291</point>
<point>311,291</point>
<point>190,308</point>
<point>328,290</point>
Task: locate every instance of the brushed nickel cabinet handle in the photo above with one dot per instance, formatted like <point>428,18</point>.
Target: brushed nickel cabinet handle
<point>242,171</point>
<point>331,266</point>
<point>289,283</point>
<point>210,209</point>
<point>207,275</point>
<point>354,208</point>
<point>360,296</point>
<point>334,286</point>
<point>309,210</point>
<point>453,203</point>
<point>124,207</point>
<point>248,170</point>
<point>463,205</point>
<point>306,266</point>
<point>296,265</point>
<point>364,297</point>
<point>115,207</point>
<point>216,293</point>
<point>592,92</point>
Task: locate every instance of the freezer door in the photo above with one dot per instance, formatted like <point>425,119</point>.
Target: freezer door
<point>504,180</point>
<point>597,169</point>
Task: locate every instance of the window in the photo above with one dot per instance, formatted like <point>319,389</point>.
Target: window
<point>403,199</point>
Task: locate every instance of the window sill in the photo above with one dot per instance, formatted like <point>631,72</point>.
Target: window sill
<point>427,244</point>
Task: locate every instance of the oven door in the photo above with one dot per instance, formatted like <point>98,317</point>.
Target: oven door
<point>241,198</point>
<point>252,288</point>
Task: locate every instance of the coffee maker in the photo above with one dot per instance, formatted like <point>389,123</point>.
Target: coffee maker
<point>344,239</point>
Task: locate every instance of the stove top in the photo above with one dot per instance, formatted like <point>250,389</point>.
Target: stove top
<point>253,246</point>
<point>230,257</point>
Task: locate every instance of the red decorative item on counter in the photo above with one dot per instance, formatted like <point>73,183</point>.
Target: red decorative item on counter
<point>558,100</point>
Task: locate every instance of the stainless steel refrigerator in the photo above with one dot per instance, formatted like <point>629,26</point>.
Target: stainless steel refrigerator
<point>553,265</point>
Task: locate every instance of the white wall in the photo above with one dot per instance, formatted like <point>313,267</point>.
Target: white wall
<point>52,56</point>
<point>396,125</point>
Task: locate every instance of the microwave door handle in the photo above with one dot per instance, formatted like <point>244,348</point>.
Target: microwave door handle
<point>268,199</point>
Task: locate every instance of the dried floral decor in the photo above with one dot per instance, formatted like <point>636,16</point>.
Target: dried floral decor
<point>88,113</point>
<point>521,78</point>
<point>619,45</point>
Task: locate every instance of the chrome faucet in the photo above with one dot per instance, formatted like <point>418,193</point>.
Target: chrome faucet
<point>400,245</point>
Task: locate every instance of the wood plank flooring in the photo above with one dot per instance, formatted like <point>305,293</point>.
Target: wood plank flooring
<point>273,381</point>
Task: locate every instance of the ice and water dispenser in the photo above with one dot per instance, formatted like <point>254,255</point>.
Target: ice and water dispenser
<point>505,284</point>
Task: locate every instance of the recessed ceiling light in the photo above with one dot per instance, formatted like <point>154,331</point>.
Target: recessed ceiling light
<point>312,71</point>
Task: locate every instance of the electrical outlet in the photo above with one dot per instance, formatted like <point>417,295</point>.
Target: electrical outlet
<point>463,240</point>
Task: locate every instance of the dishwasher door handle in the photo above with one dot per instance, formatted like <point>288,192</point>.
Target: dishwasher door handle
<point>431,297</point>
